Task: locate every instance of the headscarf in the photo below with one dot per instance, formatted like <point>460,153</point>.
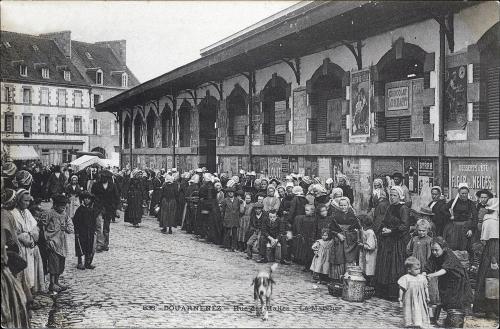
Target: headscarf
<point>230,183</point>
<point>490,227</point>
<point>341,175</point>
<point>9,169</point>
<point>23,178</point>
<point>136,173</point>
<point>336,191</point>
<point>74,176</point>
<point>319,189</point>
<point>8,197</point>
<point>382,195</point>
<point>195,179</point>
<point>400,192</point>
<point>208,177</point>
<point>460,187</point>
<point>289,184</point>
<point>298,191</point>
<point>437,188</point>
<point>307,180</point>
<point>236,179</point>
<point>20,193</point>
<point>329,180</point>
<point>169,179</point>
<point>218,185</point>
<point>377,190</point>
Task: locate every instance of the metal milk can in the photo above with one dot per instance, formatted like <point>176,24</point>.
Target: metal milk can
<point>353,289</point>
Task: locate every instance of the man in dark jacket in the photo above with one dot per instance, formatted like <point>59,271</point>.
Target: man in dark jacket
<point>56,182</point>
<point>106,198</point>
<point>230,208</point>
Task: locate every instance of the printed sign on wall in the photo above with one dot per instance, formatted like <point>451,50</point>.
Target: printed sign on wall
<point>479,174</point>
<point>360,104</point>
<point>455,98</point>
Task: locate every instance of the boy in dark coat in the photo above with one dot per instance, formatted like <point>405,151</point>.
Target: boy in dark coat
<point>254,228</point>
<point>85,227</point>
<point>231,209</point>
<point>271,232</point>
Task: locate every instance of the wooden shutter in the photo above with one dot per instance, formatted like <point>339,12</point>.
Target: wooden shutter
<point>492,92</point>
<point>397,129</point>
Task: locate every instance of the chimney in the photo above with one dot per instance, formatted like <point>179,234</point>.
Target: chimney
<point>62,40</point>
<point>119,48</point>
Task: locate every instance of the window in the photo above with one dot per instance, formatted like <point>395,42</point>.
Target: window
<point>9,122</point>
<point>26,95</point>
<point>9,94</point>
<point>124,80</point>
<point>78,125</point>
<point>44,98</point>
<point>26,123</point>
<point>89,56</point>
<point>44,123</point>
<point>35,47</point>
<point>23,70</point>
<point>66,156</point>
<point>98,77</point>
<point>97,99</point>
<point>61,97</point>
<point>116,127</point>
<point>63,125</point>
<point>78,98</point>
<point>67,75</point>
<point>45,73</point>
<point>94,127</point>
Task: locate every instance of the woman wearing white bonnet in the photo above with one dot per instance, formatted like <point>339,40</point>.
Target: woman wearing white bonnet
<point>489,261</point>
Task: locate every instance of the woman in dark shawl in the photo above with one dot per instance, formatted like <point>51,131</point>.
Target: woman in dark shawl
<point>439,209</point>
<point>135,197</point>
<point>344,228</point>
<point>168,208</point>
<point>453,282</point>
<point>394,236</point>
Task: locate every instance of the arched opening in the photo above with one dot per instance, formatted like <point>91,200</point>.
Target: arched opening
<point>274,108</point>
<point>207,111</point>
<point>237,116</point>
<point>166,127</point>
<point>489,102</point>
<point>150,126</point>
<point>100,150</point>
<point>185,124</point>
<point>138,130</point>
<point>325,97</point>
<point>126,132</point>
<point>403,73</point>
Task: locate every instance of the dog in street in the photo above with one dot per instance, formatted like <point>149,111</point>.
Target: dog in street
<point>263,290</point>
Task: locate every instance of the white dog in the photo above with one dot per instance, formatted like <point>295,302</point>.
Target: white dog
<point>263,288</point>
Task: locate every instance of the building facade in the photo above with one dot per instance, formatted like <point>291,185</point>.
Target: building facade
<point>362,88</point>
<point>49,94</point>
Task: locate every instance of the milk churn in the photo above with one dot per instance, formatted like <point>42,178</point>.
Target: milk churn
<point>353,289</point>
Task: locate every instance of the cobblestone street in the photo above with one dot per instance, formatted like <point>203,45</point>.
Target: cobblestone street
<point>148,279</point>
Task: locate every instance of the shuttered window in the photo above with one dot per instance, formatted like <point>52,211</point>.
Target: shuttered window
<point>397,129</point>
<point>492,92</point>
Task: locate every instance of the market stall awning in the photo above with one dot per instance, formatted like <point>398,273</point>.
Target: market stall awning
<point>23,152</point>
<point>83,162</point>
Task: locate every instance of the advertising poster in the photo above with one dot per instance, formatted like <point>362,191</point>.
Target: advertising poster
<point>425,174</point>
<point>299,117</point>
<point>274,167</point>
<point>293,163</point>
<point>455,98</point>
<point>360,104</point>
<point>324,168</point>
<point>479,174</point>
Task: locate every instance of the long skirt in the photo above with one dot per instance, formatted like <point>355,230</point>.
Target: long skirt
<point>74,203</point>
<point>338,270</point>
<point>168,210</point>
<point>390,265</point>
<point>243,228</point>
<point>14,312</point>
<point>455,235</point>
<point>134,211</point>
<point>33,273</point>
<point>481,303</point>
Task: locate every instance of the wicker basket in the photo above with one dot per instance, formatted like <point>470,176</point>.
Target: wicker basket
<point>369,292</point>
<point>335,289</point>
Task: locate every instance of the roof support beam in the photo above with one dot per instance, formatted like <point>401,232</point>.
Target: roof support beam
<point>218,86</point>
<point>355,51</point>
<point>446,23</point>
<point>295,66</point>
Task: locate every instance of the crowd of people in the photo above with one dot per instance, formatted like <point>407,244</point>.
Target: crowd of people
<point>417,257</point>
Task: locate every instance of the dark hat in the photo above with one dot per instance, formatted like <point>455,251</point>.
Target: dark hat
<point>230,189</point>
<point>258,205</point>
<point>240,192</point>
<point>59,200</point>
<point>86,194</point>
<point>487,192</point>
<point>397,174</point>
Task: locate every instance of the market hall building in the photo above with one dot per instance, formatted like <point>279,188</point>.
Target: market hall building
<point>325,87</point>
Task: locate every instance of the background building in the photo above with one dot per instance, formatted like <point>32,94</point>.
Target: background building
<point>41,105</point>
<point>363,88</point>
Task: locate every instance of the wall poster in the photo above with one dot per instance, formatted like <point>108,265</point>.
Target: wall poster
<point>479,174</point>
<point>455,98</point>
<point>360,104</point>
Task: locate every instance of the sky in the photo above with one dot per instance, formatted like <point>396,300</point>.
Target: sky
<point>161,35</point>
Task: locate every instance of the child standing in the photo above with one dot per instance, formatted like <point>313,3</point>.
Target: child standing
<point>56,224</point>
<point>246,210</point>
<point>321,261</point>
<point>85,225</point>
<point>368,244</point>
<point>414,295</point>
<point>420,245</point>
<point>305,228</point>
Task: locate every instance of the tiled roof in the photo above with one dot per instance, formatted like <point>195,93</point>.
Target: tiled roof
<point>21,51</point>
<point>100,57</point>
